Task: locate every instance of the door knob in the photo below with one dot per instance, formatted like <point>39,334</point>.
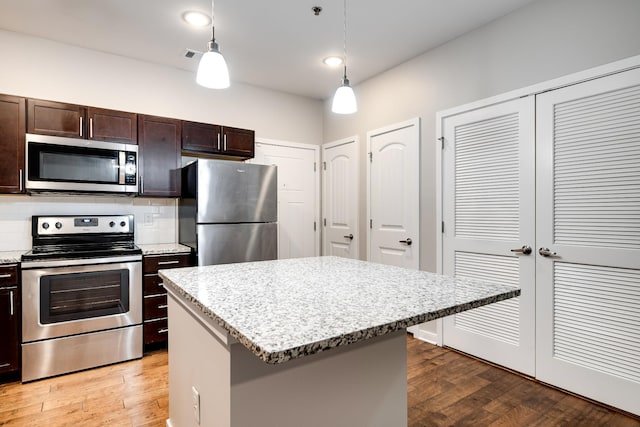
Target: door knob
<point>525,250</point>
<point>546,252</point>
<point>407,242</point>
<point>350,236</point>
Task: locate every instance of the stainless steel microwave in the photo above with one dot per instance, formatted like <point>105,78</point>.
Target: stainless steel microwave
<point>56,164</point>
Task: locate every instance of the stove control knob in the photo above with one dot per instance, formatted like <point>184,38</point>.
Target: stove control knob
<point>58,225</point>
<point>45,225</point>
<point>112,224</point>
<point>122,223</point>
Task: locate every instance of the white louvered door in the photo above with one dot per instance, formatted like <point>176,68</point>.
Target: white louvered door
<point>489,209</point>
<point>588,213</point>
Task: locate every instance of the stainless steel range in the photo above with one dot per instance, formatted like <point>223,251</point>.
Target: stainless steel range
<point>81,294</point>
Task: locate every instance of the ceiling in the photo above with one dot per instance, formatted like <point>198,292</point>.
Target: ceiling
<point>276,44</point>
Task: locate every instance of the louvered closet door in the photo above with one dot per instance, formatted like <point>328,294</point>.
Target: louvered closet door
<point>488,210</point>
<point>588,212</point>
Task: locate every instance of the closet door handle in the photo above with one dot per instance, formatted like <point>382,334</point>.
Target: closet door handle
<point>407,242</point>
<point>546,252</point>
<point>525,250</point>
<point>349,236</point>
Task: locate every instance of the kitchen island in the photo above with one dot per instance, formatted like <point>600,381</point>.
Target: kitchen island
<point>308,341</point>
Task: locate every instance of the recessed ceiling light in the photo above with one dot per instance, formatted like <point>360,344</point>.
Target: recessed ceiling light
<point>197,19</point>
<point>333,61</point>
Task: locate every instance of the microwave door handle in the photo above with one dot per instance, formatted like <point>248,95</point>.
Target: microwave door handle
<point>122,159</point>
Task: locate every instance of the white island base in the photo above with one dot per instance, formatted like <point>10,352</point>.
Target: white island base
<point>362,384</point>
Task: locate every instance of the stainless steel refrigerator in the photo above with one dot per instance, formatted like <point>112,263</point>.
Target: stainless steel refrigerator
<point>228,211</point>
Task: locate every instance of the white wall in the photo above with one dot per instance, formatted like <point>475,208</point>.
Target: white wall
<point>38,68</point>
<point>544,40</point>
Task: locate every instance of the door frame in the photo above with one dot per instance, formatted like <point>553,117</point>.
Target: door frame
<point>316,169</point>
<point>355,139</point>
<point>567,80</point>
<point>372,133</point>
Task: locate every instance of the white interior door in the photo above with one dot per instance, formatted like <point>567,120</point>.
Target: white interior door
<point>588,213</point>
<point>394,194</point>
<point>488,164</point>
<point>298,195</point>
<point>340,198</point>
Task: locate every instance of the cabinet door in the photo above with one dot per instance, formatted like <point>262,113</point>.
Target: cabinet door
<point>111,125</point>
<point>12,141</point>
<point>159,151</point>
<point>238,142</point>
<point>201,138</point>
<point>55,118</point>
<point>10,341</point>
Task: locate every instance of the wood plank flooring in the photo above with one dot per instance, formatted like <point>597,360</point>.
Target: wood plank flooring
<point>445,389</point>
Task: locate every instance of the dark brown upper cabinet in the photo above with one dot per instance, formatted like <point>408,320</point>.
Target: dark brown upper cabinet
<point>217,141</point>
<point>159,141</point>
<point>77,121</point>
<point>112,125</point>
<point>12,142</point>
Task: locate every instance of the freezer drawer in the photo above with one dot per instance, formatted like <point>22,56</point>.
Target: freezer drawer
<point>228,243</point>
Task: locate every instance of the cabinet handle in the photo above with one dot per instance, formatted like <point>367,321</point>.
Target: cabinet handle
<point>168,262</point>
<point>161,306</point>
<point>5,276</point>
<point>225,142</point>
<point>80,126</point>
<point>20,176</point>
<point>141,184</point>
<point>163,330</point>
<point>218,141</point>
<point>91,128</point>
<point>11,303</point>
<point>161,284</point>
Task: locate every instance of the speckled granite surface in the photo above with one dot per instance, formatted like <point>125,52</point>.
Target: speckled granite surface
<point>10,257</point>
<point>164,248</point>
<point>287,309</point>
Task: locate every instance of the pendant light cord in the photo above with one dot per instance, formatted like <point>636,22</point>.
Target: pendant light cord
<point>213,27</point>
<point>344,39</point>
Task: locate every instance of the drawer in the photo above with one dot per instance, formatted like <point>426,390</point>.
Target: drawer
<point>8,275</point>
<point>155,307</point>
<point>155,331</point>
<point>153,285</point>
<point>153,263</point>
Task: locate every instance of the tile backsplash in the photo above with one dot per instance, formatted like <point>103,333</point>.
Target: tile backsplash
<point>155,219</point>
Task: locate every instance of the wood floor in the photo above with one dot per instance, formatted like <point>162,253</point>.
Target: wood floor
<point>445,389</point>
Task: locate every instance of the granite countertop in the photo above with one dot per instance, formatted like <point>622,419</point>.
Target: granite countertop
<point>286,309</point>
<point>10,257</point>
<point>164,248</point>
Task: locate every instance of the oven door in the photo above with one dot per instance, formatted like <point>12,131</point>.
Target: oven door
<point>61,299</point>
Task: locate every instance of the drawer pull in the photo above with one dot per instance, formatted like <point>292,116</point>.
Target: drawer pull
<point>163,306</point>
<point>161,284</point>
<point>163,330</point>
<point>5,276</point>
<point>168,262</point>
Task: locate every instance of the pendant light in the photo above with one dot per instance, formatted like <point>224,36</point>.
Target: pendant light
<point>212,70</point>
<point>344,100</point>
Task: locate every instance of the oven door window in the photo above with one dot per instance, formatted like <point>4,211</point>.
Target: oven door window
<point>75,296</point>
<point>63,163</point>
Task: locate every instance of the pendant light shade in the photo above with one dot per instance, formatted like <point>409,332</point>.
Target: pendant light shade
<point>212,70</point>
<point>344,100</point>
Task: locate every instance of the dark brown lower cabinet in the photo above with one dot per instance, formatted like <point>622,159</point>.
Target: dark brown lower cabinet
<point>9,322</point>
<point>155,329</point>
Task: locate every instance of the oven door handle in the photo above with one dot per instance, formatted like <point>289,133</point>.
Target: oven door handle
<point>26,265</point>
